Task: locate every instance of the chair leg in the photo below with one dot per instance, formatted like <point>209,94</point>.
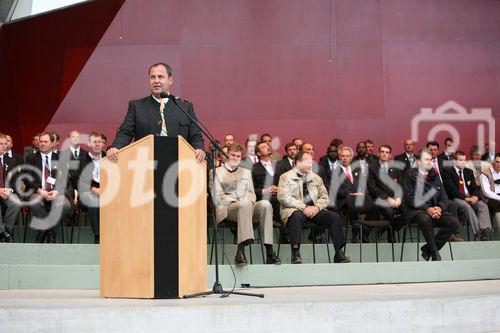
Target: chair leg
<point>418,244</point>
<point>403,242</point>
<point>376,241</point>
<point>328,247</point>
<point>360,243</point>
<point>314,251</point>
<point>262,248</point>
<point>451,251</point>
<point>392,244</point>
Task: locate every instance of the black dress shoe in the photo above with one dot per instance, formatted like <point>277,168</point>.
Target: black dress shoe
<point>436,256</point>
<point>425,254</point>
<point>273,259</point>
<point>340,257</point>
<point>6,237</point>
<point>96,239</point>
<point>296,259</point>
<point>240,259</point>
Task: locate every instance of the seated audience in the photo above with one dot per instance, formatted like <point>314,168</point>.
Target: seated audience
<point>287,163</point>
<point>461,187</point>
<point>303,197</point>
<point>476,164</point>
<point>384,180</point>
<point>234,198</point>
<point>426,204</point>
<point>408,157</point>
<point>9,202</point>
<point>262,177</point>
<point>89,181</point>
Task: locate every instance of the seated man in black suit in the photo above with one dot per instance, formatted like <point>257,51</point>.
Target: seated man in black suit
<point>447,154</point>
<point>361,158</point>
<point>425,203</point>
<point>89,181</point>
<point>328,163</point>
<point>348,190</point>
<point>408,157</point>
<point>29,150</point>
<point>287,163</point>
<point>370,148</point>
<point>158,116</point>
<point>461,187</point>
<point>384,181</point>
<point>9,202</point>
<point>17,158</point>
<point>48,187</point>
<point>262,176</point>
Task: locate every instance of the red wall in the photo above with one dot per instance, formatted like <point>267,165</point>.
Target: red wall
<point>316,69</point>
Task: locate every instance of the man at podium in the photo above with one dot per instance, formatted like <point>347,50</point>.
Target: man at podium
<point>158,116</point>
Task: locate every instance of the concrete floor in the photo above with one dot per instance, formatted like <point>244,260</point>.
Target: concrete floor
<point>471,306</point>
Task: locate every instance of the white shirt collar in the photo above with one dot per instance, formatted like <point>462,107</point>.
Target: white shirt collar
<point>49,155</point>
<point>165,100</point>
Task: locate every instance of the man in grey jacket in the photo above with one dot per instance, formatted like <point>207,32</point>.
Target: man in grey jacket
<point>234,198</point>
<point>303,197</point>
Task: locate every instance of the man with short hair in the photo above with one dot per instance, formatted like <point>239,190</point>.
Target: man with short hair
<point>9,201</point>
<point>476,164</point>
<point>408,157</point>
<point>425,203</point>
<point>287,163</point>
<point>228,139</point>
<point>33,149</point>
<point>298,142</point>
<point>490,185</point>
<point>351,196</point>
<point>234,198</point>
<point>266,137</point>
<point>361,157</point>
<point>303,197</point>
<point>251,158</point>
<point>48,186</point>
<point>328,163</point>
<point>75,149</point>
<point>89,181</point>
<point>18,159</point>
<point>370,148</point>
<point>384,180</point>
<point>461,187</point>
<point>158,115</point>
<point>447,154</point>
<point>262,177</point>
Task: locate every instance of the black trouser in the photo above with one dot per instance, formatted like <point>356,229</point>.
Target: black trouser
<point>325,219</point>
<point>353,209</point>
<point>389,215</point>
<point>93,213</point>
<point>448,225</point>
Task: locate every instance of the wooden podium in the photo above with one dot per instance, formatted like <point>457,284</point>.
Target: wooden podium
<point>152,247</point>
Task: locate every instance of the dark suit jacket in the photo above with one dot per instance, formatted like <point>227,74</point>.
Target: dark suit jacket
<point>261,180</point>
<point>143,118</point>
<point>346,187</point>
<point>444,157</point>
<point>10,172</point>
<point>378,187</point>
<point>324,171</point>
<point>59,171</point>
<point>85,181</point>
<point>280,168</point>
<point>404,158</point>
<point>410,207</point>
<point>450,181</point>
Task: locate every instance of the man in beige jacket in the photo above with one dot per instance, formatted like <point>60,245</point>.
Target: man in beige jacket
<point>234,198</point>
<point>303,197</point>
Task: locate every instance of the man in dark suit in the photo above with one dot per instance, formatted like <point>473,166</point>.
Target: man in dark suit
<point>408,157</point>
<point>9,201</point>
<point>438,164</point>
<point>384,179</point>
<point>262,176</point>
<point>425,203</point>
<point>350,193</point>
<point>48,203</point>
<point>33,149</point>
<point>17,158</point>
<point>370,148</point>
<point>447,154</point>
<point>328,163</point>
<point>89,181</point>
<point>158,116</point>
<point>287,163</point>
<point>75,150</point>
<point>461,187</point>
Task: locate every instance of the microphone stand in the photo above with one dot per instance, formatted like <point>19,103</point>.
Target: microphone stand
<point>214,147</point>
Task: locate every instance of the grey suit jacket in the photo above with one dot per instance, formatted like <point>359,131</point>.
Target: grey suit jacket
<point>230,187</point>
